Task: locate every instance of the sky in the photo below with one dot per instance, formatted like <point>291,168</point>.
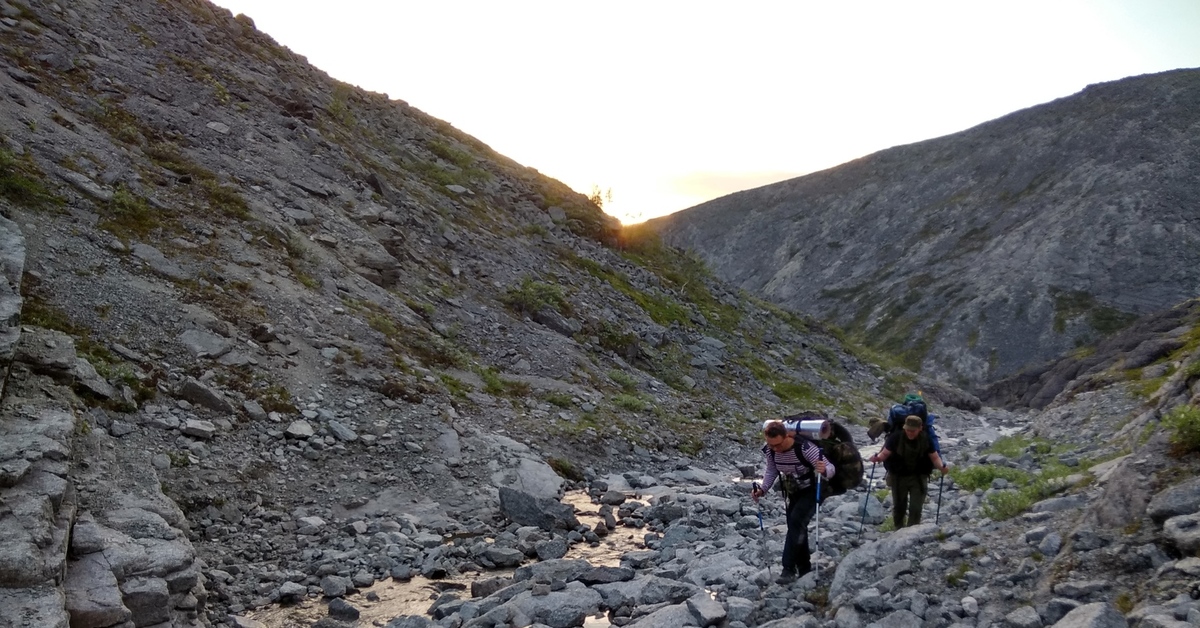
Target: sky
<point>671,103</point>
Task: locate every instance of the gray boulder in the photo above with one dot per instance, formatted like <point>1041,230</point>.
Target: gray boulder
<point>1098,615</point>
<point>1181,499</point>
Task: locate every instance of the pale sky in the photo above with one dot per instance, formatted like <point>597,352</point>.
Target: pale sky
<point>672,103</point>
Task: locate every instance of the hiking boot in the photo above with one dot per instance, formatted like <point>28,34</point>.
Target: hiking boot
<point>786,577</point>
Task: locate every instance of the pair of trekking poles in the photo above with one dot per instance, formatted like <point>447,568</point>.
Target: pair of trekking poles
<point>937,518</point>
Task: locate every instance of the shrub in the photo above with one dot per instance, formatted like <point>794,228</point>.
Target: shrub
<point>532,296</point>
<point>1184,424</point>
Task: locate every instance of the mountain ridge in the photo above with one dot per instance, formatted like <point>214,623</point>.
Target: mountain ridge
<point>1011,224</point>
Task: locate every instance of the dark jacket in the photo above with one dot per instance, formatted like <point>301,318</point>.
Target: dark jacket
<point>908,457</point>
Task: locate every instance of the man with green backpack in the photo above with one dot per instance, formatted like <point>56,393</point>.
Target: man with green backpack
<point>913,405</point>
<point>910,458</point>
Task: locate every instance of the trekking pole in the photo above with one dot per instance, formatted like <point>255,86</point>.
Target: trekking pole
<point>816,563</point>
<point>941,486</point>
<point>863,522</point>
<point>763,552</point>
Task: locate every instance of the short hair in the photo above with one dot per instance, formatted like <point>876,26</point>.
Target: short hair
<point>775,429</point>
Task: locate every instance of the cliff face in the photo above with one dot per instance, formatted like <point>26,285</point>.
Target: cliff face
<point>975,254</point>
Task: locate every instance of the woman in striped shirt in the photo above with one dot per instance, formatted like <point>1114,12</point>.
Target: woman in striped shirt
<point>793,461</point>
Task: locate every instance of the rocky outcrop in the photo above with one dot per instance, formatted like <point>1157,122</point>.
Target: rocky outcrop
<point>1141,348</point>
<point>973,255</point>
<point>12,264</point>
<point>89,538</point>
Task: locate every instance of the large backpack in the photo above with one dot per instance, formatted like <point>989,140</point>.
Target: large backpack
<point>913,405</point>
<point>838,449</point>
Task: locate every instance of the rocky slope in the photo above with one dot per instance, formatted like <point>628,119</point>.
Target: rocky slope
<point>270,294</point>
<point>978,253</point>
<point>270,340</point>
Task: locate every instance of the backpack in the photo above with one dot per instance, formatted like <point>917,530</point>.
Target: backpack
<point>913,405</point>
<point>838,449</point>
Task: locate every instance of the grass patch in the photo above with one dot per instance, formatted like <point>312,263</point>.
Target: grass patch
<point>562,400</point>
<point>171,157</point>
<point>130,214</point>
<point>662,309</point>
<point>1005,505</point>
<point>1071,304</point>
<point>632,403</point>
<point>1183,422</point>
<point>532,296</point>
<point>981,476</point>
<point>958,576</point>
<point>495,385</point>
<point>683,272</point>
<point>1014,446</point>
<point>613,337</point>
<point>21,182</point>
<point>456,387</point>
<point>627,382</point>
<point>226,199</point>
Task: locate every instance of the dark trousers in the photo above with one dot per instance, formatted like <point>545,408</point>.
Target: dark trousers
<point>908,497</point>
<point>801,506</point>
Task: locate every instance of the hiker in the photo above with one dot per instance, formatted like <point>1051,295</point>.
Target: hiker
<point>913,404</point>
<point>909,458</point>
<point>794,461</point>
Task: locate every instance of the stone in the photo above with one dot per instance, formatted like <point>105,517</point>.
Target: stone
<point>1097,615</point>
<point>199,429</point>
<point>300,429</point>
<point>194,391</point>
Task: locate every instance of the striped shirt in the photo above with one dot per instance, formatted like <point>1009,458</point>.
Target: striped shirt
<point>786,462</point>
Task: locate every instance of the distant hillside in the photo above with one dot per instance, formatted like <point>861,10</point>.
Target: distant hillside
<point>975,254</point>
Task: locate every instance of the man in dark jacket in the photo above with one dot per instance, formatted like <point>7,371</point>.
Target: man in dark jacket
<point>794,461</point>
<point>909,458</point>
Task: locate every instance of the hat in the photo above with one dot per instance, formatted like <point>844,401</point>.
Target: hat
<point>912,422</point>
<point>913,397</point>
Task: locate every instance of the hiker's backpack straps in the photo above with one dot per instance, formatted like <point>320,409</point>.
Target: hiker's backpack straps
<point>933,437</point>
